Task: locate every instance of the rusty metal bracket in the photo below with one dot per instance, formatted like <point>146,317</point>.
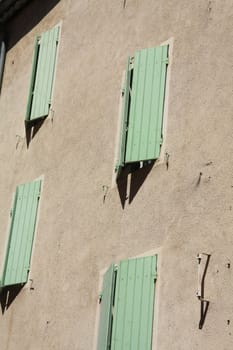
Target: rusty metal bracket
<point>203,262</point>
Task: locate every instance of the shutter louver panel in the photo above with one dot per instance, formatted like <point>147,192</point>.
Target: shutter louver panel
<point>146,111</point>
<point>43,74</point>
<point>17,261</point>
<point>134,304</point>
<point>105,322</point>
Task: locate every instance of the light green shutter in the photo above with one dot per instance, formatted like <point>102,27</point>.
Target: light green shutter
<point>146,111</point>
<point>134,304</point>
<point>125,115</point>
<point>42,75</point>
<point>2,60</point>
<point>33,77</point>
<point>105,323</point>
<point>23,219</point>
<point>144,105</point>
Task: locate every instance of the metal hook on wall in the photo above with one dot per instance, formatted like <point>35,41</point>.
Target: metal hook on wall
<point>203,262</point>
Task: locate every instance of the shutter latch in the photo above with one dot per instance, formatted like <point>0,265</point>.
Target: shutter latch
<point>100,297</point>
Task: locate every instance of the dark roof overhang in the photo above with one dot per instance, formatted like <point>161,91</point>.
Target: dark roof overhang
<point>9,7</point>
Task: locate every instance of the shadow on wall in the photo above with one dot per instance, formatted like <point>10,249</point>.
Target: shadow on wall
<point>137,177</point>
<point>8,295</point>
<point>26,19</point>
<point>32,129</point>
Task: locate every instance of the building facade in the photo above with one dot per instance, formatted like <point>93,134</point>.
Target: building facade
<point>160,224</point>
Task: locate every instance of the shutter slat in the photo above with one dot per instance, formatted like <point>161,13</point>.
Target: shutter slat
<point>134,304</point>
<point>17,261</point>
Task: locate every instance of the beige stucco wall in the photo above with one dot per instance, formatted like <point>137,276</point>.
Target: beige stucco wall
<point>77,234</point>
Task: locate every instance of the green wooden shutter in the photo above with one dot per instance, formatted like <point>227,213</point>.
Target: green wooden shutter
<point>105,323</point>
<point>134,304</point>
<point>42,75</point>
<point>146,111</point>
<point>142,117</point>
<point>33,77</point>
<point>125,115</point>
<point>2,60</point>
<point>23,219</point>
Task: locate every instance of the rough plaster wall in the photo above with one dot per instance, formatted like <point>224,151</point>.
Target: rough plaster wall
<point>78,235</point>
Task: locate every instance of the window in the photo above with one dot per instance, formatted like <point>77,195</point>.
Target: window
<point>2,60</point>
<point>142,115</point>
<point>22,227</point>
<point>127,305</point>
<point>39,100</point>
